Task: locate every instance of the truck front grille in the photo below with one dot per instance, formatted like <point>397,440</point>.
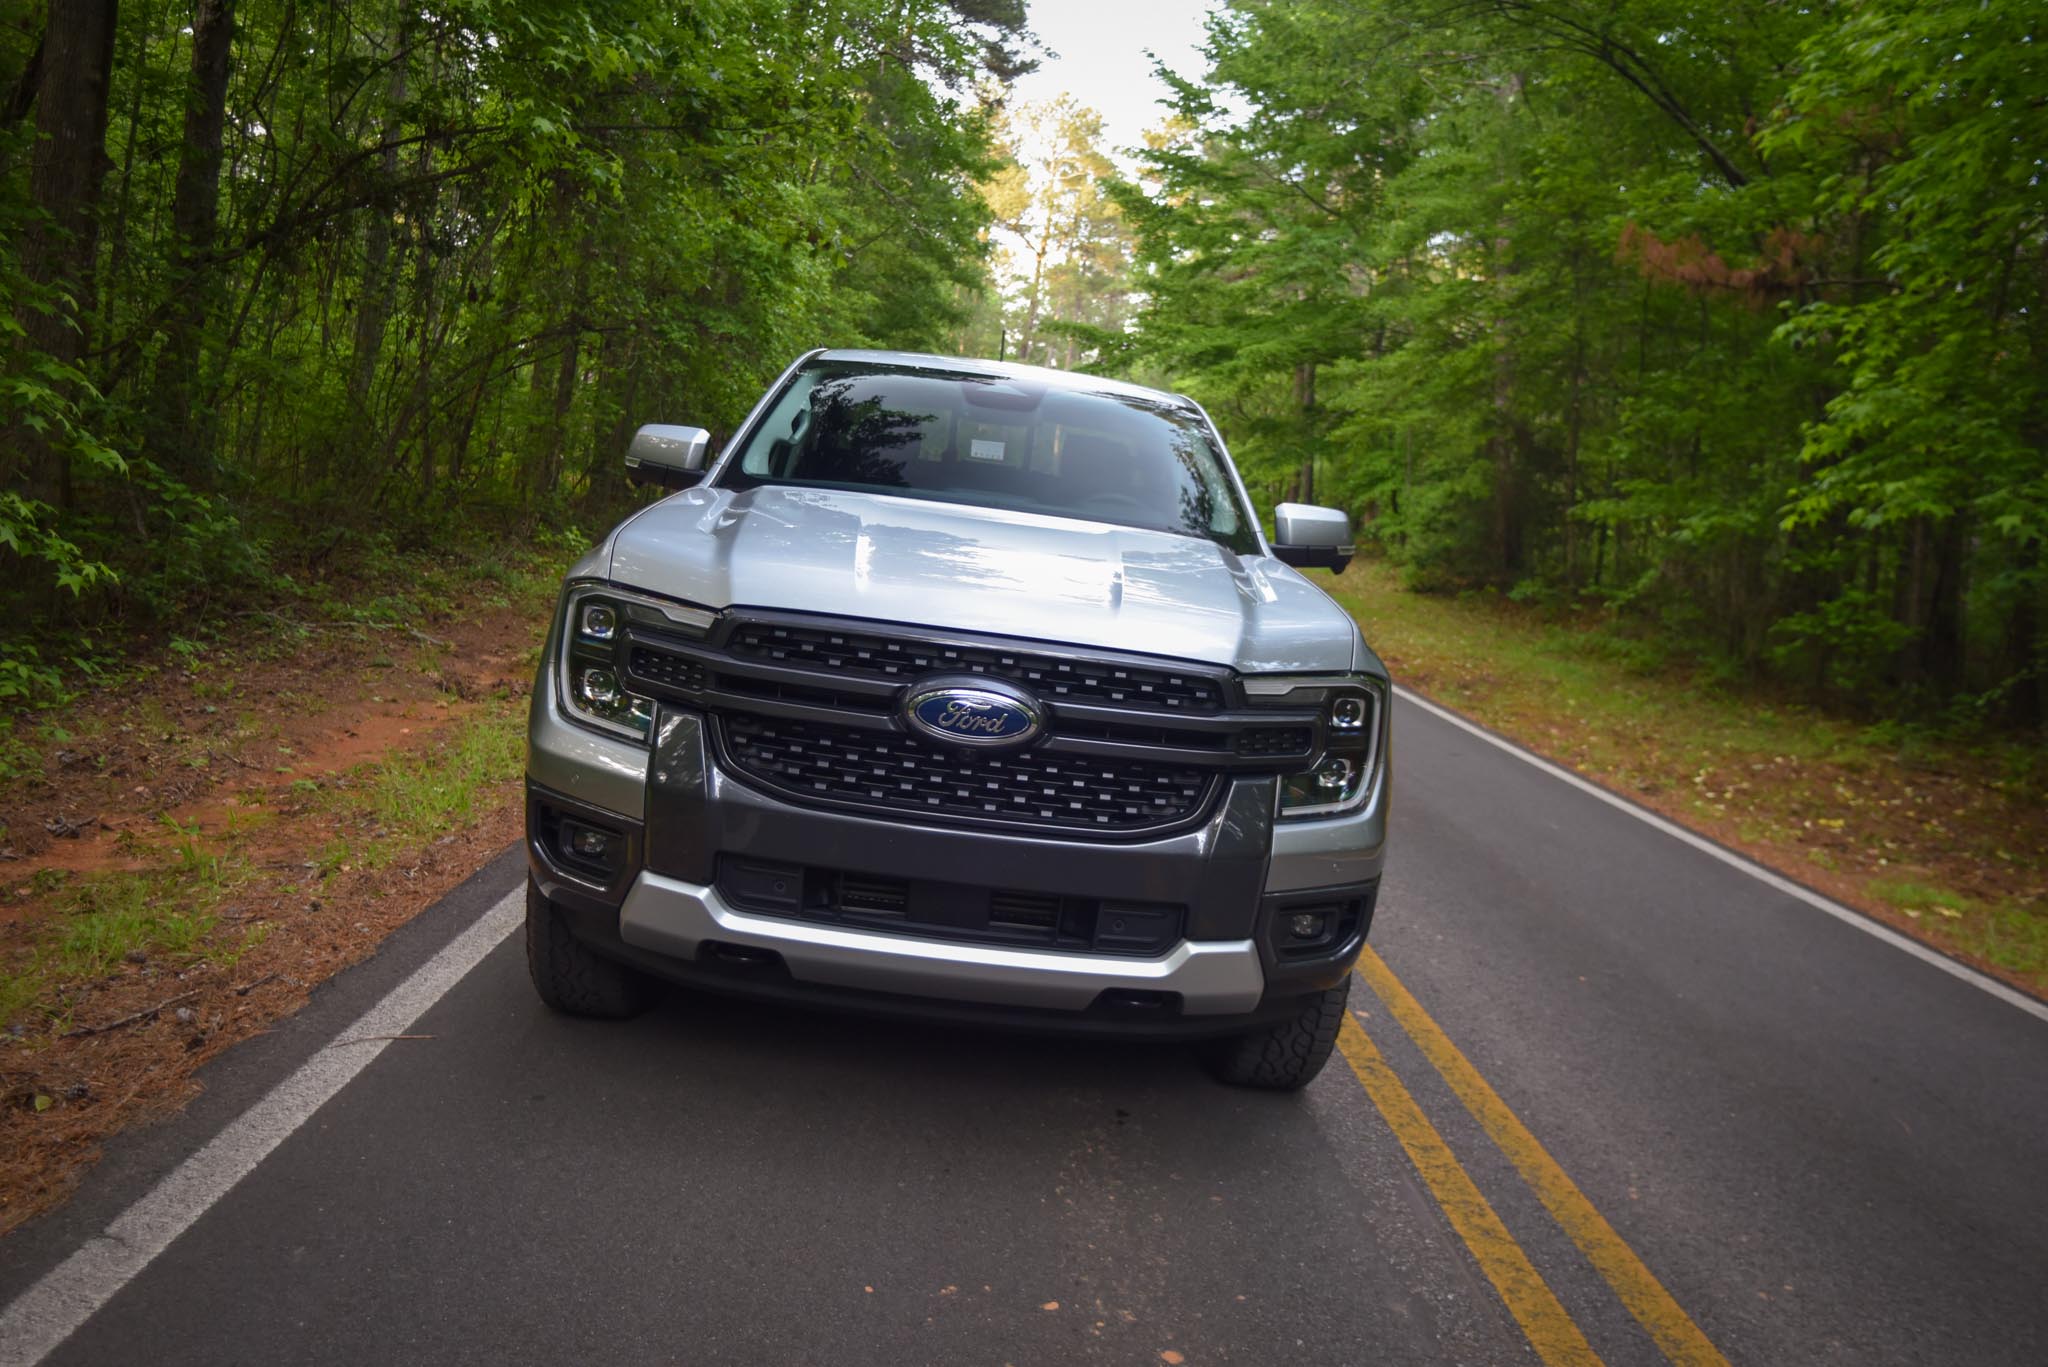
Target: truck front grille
<point>856,766</point>
<point>1054,678</point>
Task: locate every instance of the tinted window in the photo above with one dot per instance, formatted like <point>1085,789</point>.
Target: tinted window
<point>996,442</point>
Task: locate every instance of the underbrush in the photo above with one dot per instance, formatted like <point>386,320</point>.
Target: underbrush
<point>374,591</point>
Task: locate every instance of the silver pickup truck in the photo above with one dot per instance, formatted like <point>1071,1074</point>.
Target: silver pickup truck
<point>966,692</point>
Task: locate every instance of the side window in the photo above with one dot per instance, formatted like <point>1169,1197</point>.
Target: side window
<point>768,455</point>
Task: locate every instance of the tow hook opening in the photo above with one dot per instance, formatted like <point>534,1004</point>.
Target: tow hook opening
<point>1134,1001</point>
<point>725,954</point>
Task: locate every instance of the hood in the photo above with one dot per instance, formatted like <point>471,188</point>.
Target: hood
<point>962,568</point>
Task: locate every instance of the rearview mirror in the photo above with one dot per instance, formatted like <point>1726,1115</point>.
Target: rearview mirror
<point>672,457</point>
<point>1308,537</point>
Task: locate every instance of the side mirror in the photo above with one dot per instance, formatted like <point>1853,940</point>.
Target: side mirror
<point>672,457</point>
<point>1308,537</point>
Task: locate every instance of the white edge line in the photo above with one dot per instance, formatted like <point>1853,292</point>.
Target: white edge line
<point>1869,926</point>
<point>46,1314</point>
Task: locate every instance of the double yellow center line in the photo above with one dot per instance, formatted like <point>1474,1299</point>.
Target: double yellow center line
<point>1551,1331</point>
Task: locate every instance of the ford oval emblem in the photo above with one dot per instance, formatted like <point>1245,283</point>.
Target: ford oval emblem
<point>978,713</point>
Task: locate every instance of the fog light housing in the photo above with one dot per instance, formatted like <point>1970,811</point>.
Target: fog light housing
<point>587,841</point>
<point>1314,925</point>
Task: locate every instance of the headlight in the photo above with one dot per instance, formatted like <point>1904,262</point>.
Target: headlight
<point>597,620</point>
<point>1354,730</point>
<point>593,622</point>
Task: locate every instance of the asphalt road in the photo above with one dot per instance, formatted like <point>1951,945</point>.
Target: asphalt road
<point>1607,1097</point>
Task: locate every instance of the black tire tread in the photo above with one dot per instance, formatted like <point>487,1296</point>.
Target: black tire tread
<point>569,977</point>
<point>1287,1056</point>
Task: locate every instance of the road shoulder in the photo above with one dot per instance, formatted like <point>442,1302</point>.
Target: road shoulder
<point>138,1159</point>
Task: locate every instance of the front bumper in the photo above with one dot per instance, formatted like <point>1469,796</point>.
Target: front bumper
<point>672,917</point>
<point>676,811</point>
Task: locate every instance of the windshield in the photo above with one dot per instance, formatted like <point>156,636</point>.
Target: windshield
<point>996,442</point>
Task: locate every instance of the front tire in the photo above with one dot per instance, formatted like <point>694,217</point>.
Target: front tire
<point>1284,1057</point>
<point>569,977</point>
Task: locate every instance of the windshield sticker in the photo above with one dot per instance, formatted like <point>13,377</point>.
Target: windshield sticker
<point>981,449</point>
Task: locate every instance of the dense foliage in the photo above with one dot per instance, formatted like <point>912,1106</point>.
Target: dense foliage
<point>1729,315</point>
<point>278,275</point>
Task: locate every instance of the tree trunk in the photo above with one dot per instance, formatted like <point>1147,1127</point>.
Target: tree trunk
<point>1305,404</point>
<point>380,274</point>
<point>2026,645</point>
<point>1943,644</point>
<point>1575,425</point>
<point>1911,598</point>
<point>21,89</point>
<point>184,437</point>
<point>558,430</point>
<point>1035,298</point>
<point>113,272</point>
<point>66,171</point>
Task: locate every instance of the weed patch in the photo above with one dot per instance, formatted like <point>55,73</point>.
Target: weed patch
<point>417,796</point>
<point>106,922</point>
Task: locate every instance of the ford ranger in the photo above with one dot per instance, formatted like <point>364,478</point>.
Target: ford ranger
<point>966,692</point>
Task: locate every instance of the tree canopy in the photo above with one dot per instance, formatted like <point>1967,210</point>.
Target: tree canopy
<point>1727,315</point>
<point>281,274</point>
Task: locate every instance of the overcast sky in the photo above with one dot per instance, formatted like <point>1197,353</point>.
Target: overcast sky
<point>1102,62</point>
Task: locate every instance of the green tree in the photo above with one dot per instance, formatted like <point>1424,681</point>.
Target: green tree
<point>1068,274</point>
<point>281,277</point>
<point>1727,316</point>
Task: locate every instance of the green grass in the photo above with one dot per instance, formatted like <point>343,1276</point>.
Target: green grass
<point>2006,934</point>
<point>162,915</point>
<point>1918,897</point>
<point>125,913</point>
<point>167,913</point>
<point>420,796</point>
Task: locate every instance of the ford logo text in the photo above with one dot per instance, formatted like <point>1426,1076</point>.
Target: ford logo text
<point>976,714</point>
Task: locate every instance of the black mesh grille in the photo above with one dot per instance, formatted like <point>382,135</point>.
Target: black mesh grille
<point>876,656</point>
<point>1275,740</point>
<point>662,667</point>
<point>894,772</point>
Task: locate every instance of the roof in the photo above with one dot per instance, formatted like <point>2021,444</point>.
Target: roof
<point>1009,370</point>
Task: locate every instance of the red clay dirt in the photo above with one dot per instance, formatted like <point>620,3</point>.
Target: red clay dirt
<point>176,759</point>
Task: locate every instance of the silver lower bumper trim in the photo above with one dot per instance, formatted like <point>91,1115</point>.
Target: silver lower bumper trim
<point>672,917</point>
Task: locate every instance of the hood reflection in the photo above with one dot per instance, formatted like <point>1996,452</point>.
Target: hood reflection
<point>981,569</point>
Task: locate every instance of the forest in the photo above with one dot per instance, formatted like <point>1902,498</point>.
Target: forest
<point>1722,322</point>
<point>1722,319</point>
<point>286,280</point>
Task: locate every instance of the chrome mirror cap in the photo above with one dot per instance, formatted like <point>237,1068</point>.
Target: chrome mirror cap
<point>1309,537</point>
<point>664,454</point>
